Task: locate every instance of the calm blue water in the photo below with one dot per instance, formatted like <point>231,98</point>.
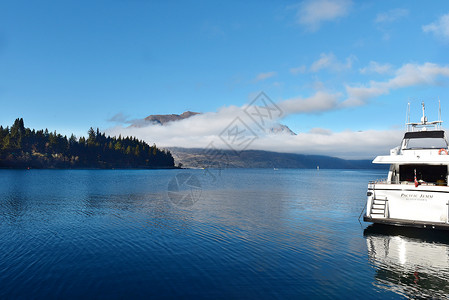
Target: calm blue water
<point>206,234</point>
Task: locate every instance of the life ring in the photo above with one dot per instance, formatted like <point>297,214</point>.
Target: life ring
<point>441,151</point>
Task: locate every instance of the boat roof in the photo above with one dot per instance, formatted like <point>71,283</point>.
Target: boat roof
<point>435,134</point>
<point>420,155</point>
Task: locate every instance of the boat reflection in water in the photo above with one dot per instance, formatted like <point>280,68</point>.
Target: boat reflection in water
<point>408,261</point>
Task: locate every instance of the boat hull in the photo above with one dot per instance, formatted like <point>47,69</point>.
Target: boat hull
<point>407,205</point>
<point>407,223</point>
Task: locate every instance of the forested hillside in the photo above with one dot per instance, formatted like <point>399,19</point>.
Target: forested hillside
<point>202,158</point>
<point>22,147</point>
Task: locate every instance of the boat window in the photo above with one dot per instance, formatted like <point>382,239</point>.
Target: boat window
<point>426,143</point>
<point>426,173</point>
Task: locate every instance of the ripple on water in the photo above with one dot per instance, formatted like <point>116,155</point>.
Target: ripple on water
<point>251,234</point>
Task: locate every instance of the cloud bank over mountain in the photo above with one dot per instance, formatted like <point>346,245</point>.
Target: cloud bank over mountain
<point>232,127</point>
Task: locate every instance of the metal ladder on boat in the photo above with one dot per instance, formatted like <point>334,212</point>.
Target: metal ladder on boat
<point>379,207</point>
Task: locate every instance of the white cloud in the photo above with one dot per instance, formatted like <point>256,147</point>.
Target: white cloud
<point>345,144</point>
<point>278,84</point>
<point>298,70</point>
<point>385,20</point>
<point>321,131</point>
<point>329,61</point>
<point>412,74</point>
<point>319,102</point>
<point>263,76</point>
<point>200,130</point>
<point>357,96</point>
<point>440,28</point>
<point>212,30</point>
<point>312,13</point>
<point>391,15</point>
<point>119,118</point>
<point>375,67</point>
<point>325,61</point>
<point>196,131</point>
<point>406,76</point>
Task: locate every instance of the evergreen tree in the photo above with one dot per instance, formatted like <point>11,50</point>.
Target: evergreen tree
<point>22,147</point>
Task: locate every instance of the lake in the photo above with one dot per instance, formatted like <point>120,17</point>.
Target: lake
<point>221,234</point>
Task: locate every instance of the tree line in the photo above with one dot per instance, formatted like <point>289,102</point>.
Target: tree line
<point>22,147</point>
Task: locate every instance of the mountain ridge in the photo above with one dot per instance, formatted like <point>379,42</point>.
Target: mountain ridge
<point>164,119</point>
<point>202,158</point>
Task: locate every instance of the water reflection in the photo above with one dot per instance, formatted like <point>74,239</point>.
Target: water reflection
<point>411,262</point>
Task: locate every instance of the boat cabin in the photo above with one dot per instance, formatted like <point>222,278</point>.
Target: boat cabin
<point>421,156</point>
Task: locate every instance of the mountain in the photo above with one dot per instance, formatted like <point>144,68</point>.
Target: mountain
<point>201,158</point>
<point>280,129</point>
<point>164,119</point>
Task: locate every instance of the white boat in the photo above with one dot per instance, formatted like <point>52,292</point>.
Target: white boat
<point>416,191</point>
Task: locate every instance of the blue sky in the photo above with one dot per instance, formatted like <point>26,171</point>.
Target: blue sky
<point>345,66</point>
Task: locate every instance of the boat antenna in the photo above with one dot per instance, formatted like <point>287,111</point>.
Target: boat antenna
<point>407,116</point>
<point>439,112</point>
<point>423,119</point>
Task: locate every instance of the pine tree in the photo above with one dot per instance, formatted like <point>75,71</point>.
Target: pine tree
<point>128,150</point>
<point>20,146</point>
<point>91,137</point>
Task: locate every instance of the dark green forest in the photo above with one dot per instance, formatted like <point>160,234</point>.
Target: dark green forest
<point>22,147</point>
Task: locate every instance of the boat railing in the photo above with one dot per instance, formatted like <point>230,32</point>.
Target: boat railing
<point>377,181</point>
<point>447,219</point>
<point>425,183</point>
